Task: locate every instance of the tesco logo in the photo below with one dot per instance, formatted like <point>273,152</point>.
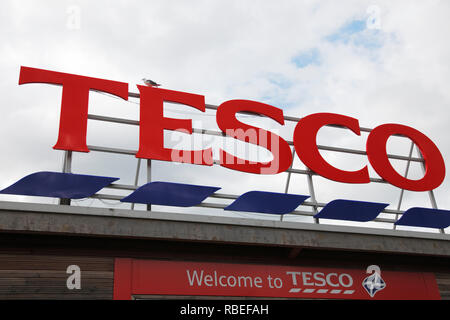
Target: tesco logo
<point>320,279</point>
<point>152,123</point>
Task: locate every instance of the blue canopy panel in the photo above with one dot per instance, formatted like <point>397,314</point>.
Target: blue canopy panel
<point>170,194</point>
<point>267,202</point>
<point>59,185</point>
<point>350,210</point>
<point>423,217</point>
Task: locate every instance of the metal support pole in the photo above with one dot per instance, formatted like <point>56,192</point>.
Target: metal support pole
<point>136,178</point>
<point>149,179</point>
<point>406,175</point>
<point>289,172</point>
<point>430,193</point>
<point>67,168</point>
<point>289,177</point>
<point>312,193</point>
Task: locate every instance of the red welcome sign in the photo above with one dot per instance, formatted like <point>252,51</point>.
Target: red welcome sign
<point>155,277</point>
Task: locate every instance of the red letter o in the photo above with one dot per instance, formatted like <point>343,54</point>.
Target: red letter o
<point>434,163</point>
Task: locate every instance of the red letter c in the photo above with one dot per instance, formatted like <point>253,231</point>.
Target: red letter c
<point>306,147</point>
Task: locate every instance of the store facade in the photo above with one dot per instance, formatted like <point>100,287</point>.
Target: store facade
<point>325,250</point>
<point>129,255</point>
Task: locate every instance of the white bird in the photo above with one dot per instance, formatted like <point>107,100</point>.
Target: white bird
<point>150,83</point>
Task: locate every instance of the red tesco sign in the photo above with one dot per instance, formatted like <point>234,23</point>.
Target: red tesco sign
<point>158,277</point>
<point>152,123</point>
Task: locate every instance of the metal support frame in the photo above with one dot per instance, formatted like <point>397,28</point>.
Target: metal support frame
<point>136,178</point>
<point>430,193</point>
<point>312,195</point>
<point>67,168</point>
<point>288,179</point>
<point>402,192</point>
<point>149,179</point>
<point>312,201</point>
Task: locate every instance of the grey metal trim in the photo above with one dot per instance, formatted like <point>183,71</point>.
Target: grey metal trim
<point>124,213</point>
<point>112,150</point>
<point>54,219</point>
<point>112,119</point>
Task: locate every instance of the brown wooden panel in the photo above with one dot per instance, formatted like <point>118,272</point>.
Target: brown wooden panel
<point>38,262</point>
<point>44,277</point>
<point>443,281</point>
<point>58,296</point>
<point>444,287</point>
<point>443,276</point>
<point>52,274</point>
<point>24,259</point>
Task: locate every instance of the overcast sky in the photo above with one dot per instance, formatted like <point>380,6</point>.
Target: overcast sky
<point>377,61</point>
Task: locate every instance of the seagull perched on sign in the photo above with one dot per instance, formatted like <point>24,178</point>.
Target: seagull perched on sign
<point>150,83</point>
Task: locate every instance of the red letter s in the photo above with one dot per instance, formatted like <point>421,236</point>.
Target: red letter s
<point>227,122</point>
